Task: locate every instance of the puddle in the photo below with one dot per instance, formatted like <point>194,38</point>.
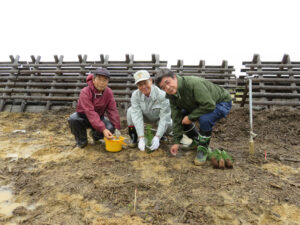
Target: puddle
<point>21,150</point>
<point>7,205</point>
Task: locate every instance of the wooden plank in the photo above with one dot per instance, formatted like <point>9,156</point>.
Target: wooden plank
<point>59,63</point>
<point>15,65</point>
<point>50,98</point>
<point>56,91</point>
<point>82,76</point>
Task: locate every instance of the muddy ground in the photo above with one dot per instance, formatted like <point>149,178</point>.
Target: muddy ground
<point>45,180</point>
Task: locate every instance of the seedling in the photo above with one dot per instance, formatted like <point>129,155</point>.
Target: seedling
<point>148,137</point>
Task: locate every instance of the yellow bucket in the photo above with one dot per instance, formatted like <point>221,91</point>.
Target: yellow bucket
<point>114,145</point>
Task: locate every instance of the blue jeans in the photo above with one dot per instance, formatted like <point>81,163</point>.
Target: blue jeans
<point>207,121</point>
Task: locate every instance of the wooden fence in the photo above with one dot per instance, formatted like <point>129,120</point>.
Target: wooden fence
<point>222,75</point>
<point>274,83</point>
<point>36,85</point>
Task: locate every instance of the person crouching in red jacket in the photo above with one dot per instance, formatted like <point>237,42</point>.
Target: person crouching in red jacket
<point>95,100</point>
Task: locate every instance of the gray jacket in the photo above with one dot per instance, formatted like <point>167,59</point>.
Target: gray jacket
<point>155,107</point>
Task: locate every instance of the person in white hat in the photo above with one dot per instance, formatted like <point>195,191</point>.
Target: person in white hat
<point>148,104</point>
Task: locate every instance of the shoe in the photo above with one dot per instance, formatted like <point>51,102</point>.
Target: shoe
<point>96,136</point>
<point>164,140</point>
<point>81,145</point>
<point>132,145</point>
<point>201,156</point>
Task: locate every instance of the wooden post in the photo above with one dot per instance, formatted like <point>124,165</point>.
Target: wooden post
<point>201,69</point>
<point>286,60</point>
<point>179,69</point>
<point>14,65</point>
<point>59,64</point>
<point>130,61</point>
<point>256,60</point>
<point>35,61</point>
<point>82,62</point>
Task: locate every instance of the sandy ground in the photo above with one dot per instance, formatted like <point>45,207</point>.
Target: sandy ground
<point>45,180</point>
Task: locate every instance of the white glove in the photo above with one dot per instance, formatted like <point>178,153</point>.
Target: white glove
<point>142,144</point>
<point>117,133</point>
<point>155,143</point>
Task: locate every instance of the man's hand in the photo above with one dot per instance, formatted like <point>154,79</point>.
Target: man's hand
<point>142,144</point>
<point>117,133</point>
<point>155,143</point>
<point>174,149</point>
<point>186,120</point>
<point>107,134</point>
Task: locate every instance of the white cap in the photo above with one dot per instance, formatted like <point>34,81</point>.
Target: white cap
<point>141,75</point>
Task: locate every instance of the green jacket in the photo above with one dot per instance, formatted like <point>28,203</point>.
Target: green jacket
<point>196,95</point>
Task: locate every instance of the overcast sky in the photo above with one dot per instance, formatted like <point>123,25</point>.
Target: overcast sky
<point>191,30</point>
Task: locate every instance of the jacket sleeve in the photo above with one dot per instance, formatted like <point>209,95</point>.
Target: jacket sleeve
<point>164,117</point>
<point>89,110</point>
<point>177,126</point>
<point>203,97</point>
<point>112,111</point>
<point>137,115</point>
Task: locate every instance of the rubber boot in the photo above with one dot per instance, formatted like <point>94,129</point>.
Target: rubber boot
<point>191,131</point>
<point>203,150</point>
<point>77,125</point>
<point>96,136</point>
<point>133,137</point>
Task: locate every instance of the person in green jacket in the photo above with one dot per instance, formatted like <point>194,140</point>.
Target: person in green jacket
<point>193,99</point>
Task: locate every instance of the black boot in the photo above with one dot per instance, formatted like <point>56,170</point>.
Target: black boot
<point>96,135</point>
<point>191,131</point>
<point>133,137</point>
<point>78,126</point>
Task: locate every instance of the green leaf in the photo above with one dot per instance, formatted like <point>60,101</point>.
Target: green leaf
<point>148,137</point>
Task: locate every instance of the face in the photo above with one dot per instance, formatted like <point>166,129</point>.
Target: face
<point>145,86</point>
<point>100,82</point>
<point>169,85</point>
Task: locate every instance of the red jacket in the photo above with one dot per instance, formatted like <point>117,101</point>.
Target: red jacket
<point>94,106</point>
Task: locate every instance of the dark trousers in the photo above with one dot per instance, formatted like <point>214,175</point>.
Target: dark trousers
<point>207,121</point>
<point>79,123</point>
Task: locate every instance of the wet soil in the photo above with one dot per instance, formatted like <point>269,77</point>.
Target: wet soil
<point>52,182</point>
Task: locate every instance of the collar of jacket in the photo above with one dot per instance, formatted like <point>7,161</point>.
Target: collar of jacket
<point>152,95</point>
<point>98,93</point>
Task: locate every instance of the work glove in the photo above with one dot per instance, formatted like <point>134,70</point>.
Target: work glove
<point>155,143</point>
<point>117,133</point>
<point>142,144</point>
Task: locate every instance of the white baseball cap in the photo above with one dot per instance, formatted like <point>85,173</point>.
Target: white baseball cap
<point>141,75</point>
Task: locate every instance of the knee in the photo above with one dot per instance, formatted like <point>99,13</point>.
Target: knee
<point>74,118</point>
<point>206,123</point>
<point>203,120</point>
<point>109,126</point>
